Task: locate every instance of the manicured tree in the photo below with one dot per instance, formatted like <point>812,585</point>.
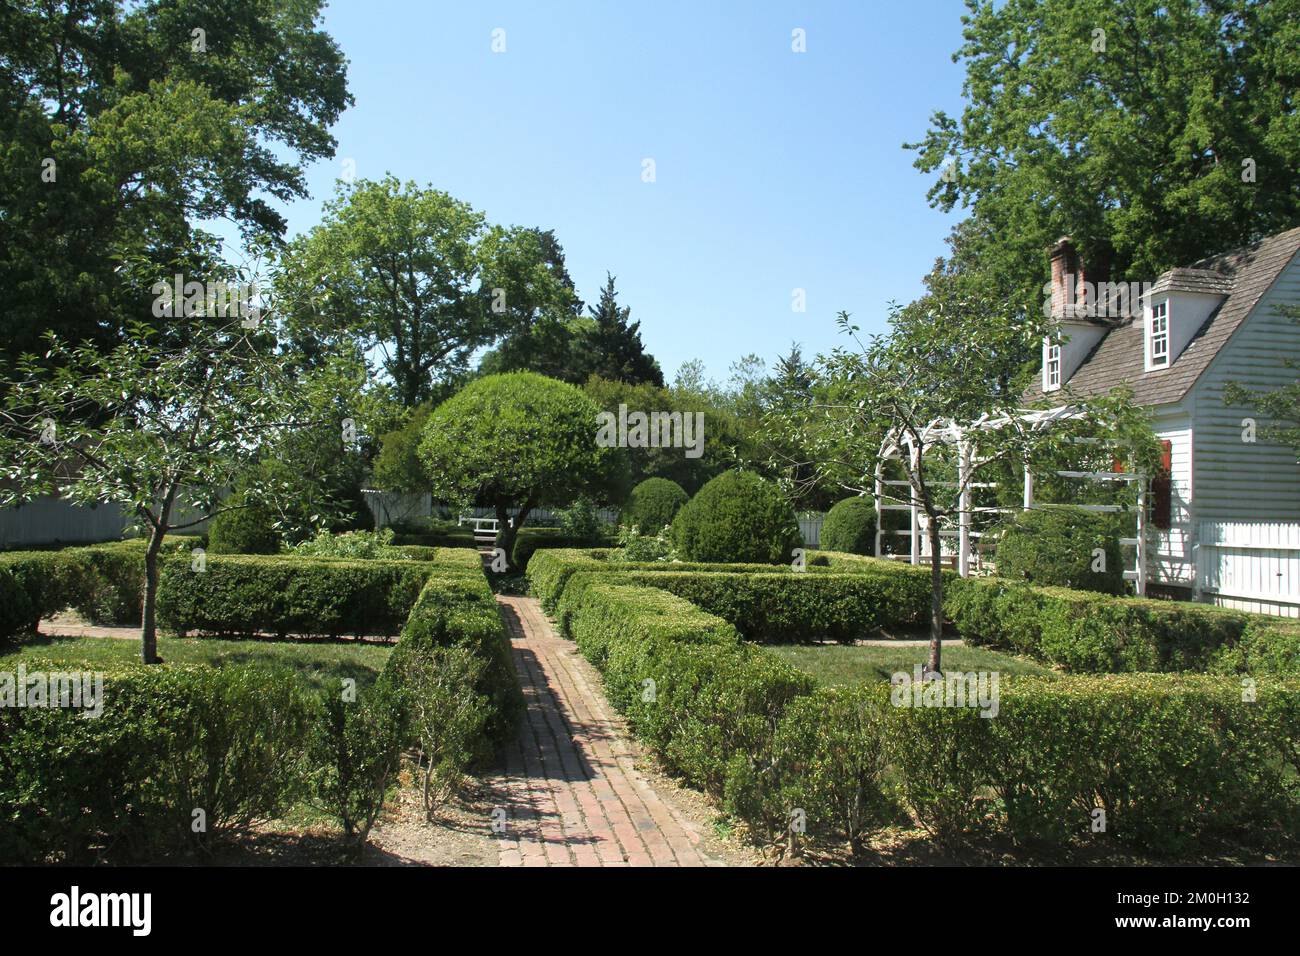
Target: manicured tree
<point>737,517</point>
<point>142,426</point>
<point>653,504</point>
<point>850,526</point>
<point>516,441</point>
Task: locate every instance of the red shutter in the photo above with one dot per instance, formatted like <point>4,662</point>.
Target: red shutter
<point>1162,506</point>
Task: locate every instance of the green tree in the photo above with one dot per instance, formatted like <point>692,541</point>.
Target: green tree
<point>1152,133</point>
<point>120,130</point>
<point>515,442</point>
<point>612,347</point>
<point>922,391</point>
<point>143,426</point>
<point>392,267</point>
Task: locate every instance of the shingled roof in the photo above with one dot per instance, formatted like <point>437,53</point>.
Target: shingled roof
<point>1243,275</point>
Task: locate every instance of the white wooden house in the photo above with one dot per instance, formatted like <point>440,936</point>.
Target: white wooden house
<point>1225,521</point>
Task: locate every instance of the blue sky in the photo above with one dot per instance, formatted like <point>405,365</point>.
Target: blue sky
<point>774,170</point>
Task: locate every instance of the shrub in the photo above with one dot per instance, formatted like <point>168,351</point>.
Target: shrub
<point>246,529</point>
<point>1057,547</point>
<point>850,526</point>
<point>829,758</point>
<point>642,548</point>
<point>737,516</point>
<point>581,521</point>
<point>357,545</point>
<point>653,504</point>
<point>247,594</point>
<point>355,749</point>
<point>169,740</point>
<point>1094,633</point>
<point>457,609</point>
<point>448,716</point>
<point>532,540</point>
<point>789,606</point>
<point>36,584</point>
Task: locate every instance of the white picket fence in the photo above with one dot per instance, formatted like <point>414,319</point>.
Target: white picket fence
<point>55,521</point>
<point>1250,565</point>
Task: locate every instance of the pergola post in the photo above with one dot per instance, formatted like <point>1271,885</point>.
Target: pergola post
<point>879,495</point>
<point>913,467</point>
<point>1141,546</point>
<point>1029,486</point>
<point>964,507</point>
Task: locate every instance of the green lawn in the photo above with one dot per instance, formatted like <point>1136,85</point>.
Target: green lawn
<point>840,665</point>
<point>318,663</point>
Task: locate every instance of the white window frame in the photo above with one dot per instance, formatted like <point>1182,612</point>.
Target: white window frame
<point>1157,335</point>
<point>1051,365</point>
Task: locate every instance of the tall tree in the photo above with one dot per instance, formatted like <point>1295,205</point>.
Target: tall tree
<point>1153,133</point>
<point>612,347</point>
<point>123,126</point>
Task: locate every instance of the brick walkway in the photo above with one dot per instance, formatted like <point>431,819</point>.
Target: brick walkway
<point>574,794</point>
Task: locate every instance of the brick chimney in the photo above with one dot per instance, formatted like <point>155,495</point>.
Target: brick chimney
<point>1065,276</point>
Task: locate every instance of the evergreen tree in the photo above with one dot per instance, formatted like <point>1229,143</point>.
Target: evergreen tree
<point>613,348</point>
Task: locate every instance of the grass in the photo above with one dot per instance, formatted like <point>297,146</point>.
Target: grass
<point>842,665</point>
<point>318,663</point>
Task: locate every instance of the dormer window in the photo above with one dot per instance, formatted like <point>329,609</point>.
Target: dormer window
<point>1052,367</point>
<point>1158,336</point>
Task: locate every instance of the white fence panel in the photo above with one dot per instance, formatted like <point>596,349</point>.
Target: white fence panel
<point>1247,563</point>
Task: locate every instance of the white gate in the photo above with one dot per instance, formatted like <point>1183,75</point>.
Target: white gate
<point>1250,565</point>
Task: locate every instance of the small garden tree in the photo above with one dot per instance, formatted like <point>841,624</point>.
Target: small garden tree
<point>943,377</point>
<point>144,425</point>
<point>516,441</point>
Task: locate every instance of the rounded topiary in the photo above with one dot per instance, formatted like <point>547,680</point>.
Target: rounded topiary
<point>653,504</point>
<point>1063,547</point>
<point>737,518</point>
<point>244,530</point>
<point>850,526</point>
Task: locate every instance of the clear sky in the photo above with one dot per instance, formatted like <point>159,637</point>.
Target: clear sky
<point>774,170</point>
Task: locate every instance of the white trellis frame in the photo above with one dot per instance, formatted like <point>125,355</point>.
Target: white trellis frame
<point>964,438</point>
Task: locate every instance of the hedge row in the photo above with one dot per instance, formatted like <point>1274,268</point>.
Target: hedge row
<point>456,608</point>
<point>531,540</point>
<point>104,583</point>
<point>225,741</point>
<point>246,594</point>
<point>1095,633</point>
<point>1169,760</point>
<point>1157,763</point>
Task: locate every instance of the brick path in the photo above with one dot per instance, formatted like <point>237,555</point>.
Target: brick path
<point>574,794</point>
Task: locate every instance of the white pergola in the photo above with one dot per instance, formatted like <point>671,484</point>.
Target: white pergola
<point>964,437</point>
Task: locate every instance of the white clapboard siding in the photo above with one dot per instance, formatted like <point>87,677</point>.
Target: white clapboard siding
<point>55,521</point>
<point>1253,565</point>
<point>1238,480</point>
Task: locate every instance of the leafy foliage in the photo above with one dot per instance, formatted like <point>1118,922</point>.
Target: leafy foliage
<point>850,526</point>
<point>737,517</point>
<point>1065,547</point>
<point>653,504</point>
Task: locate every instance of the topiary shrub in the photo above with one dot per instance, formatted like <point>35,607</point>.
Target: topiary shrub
<point>245,529</point>
<point>1058,547</point>
<point>850,526</point>
<point>737,517</point>
<point>653,504</point>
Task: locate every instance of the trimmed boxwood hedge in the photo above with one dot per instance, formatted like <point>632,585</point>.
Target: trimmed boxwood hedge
<point>737,516</point>
<point>457,608</point>
<point>531,540</point>
<point>1170,759</point>
<point>1096,633</point>
<point>245,594</point>
<point>169,739</point>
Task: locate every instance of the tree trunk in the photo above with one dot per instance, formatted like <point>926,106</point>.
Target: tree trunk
<point>508,531</point>
<point>936,598</point>
<point>148,625</point>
